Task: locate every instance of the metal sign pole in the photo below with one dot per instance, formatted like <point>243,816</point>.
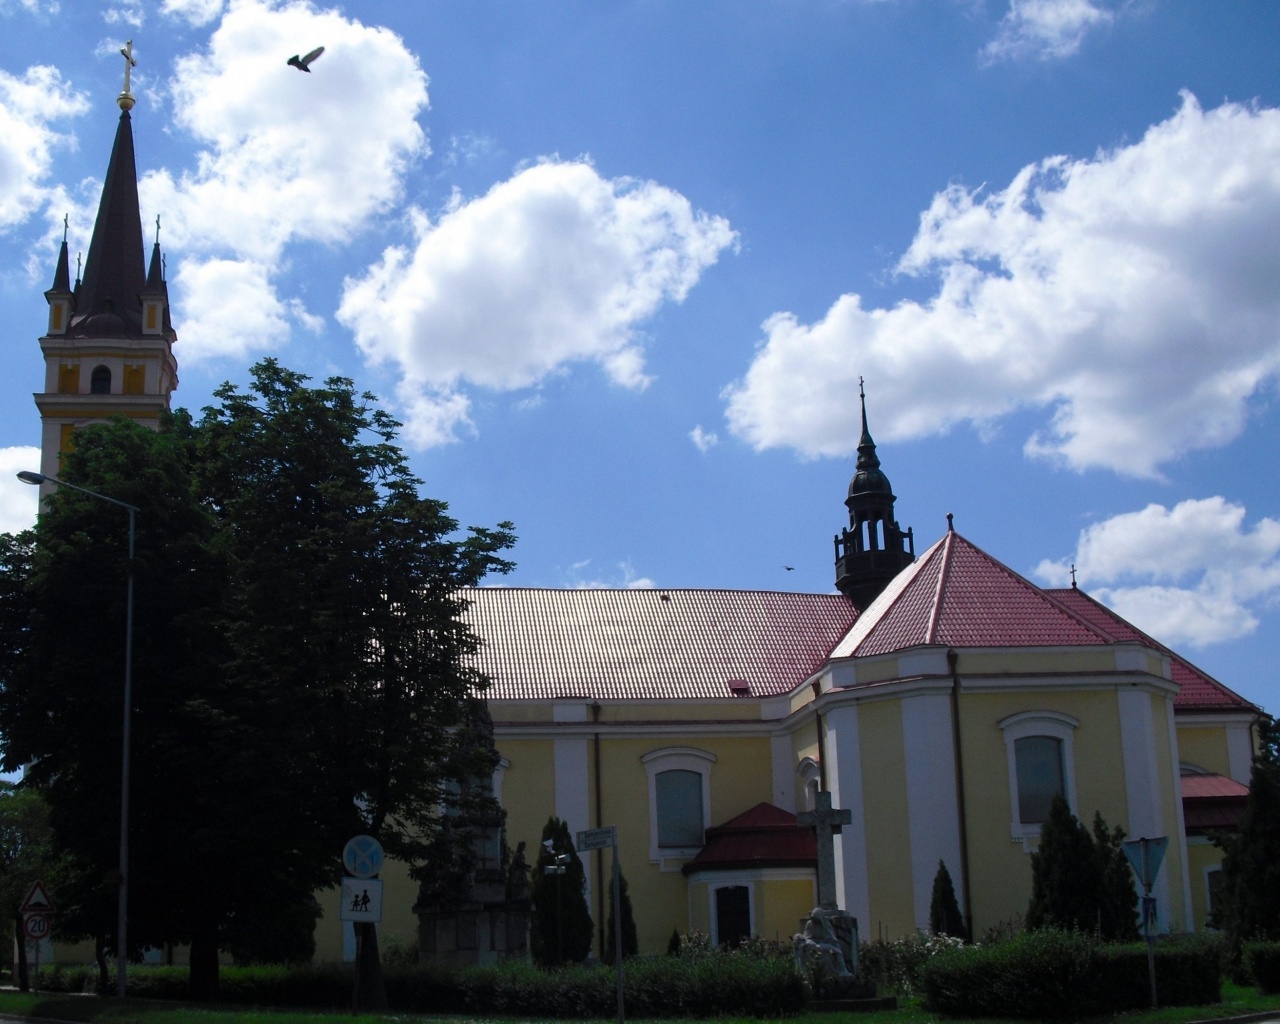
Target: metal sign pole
<point>617,927</point>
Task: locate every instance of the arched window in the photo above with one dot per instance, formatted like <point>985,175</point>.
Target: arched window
<point>1039,745</point>
<point>679,801</point>
<point>100,381</point>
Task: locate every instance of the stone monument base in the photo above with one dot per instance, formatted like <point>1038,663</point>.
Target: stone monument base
<point>473,936</point>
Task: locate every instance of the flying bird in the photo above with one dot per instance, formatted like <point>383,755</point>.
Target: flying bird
<point>304,63</point>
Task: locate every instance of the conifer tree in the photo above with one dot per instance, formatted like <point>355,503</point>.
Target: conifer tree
<point>1081,882</point>
<point>1250,902</point>
<point>561,927</point>
<point>944,911</point>
<point>630,943</point>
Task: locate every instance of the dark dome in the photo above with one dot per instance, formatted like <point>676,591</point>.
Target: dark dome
<point>101,325</point>
<point>869,481</point>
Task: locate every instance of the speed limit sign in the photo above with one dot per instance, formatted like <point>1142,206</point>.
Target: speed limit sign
<point>36,926</point>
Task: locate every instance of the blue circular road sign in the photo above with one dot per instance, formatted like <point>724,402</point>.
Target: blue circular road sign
<point>362,856</point>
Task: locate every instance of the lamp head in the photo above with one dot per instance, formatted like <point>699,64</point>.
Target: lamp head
<point>28,477</point>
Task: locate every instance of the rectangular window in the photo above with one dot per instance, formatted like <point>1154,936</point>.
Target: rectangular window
<point>733,915</point>
<point>1040,776</point>
<point>679,796</point>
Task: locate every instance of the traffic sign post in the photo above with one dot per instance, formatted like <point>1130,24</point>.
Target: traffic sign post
<point>1145,857</point>
<point>36,909</point>
<point>598,839</point>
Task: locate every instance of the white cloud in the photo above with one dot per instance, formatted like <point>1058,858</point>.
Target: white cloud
<point>552,267</point>
<point>28,106</point>
<point>194,12</point>
<point>287,157</point>
<point>1131,296</point>
<point>127,12</point>
<point>1045,28</point>
<point>624,578</point>
<point>18,501</point>
<point>703,440</point>
<point>1191,574</point>
<point>238,311</point>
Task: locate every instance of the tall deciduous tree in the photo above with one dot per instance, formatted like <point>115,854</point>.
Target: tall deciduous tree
<point>561,927</point>
<point>1250,902</point>
<point>302,674</point>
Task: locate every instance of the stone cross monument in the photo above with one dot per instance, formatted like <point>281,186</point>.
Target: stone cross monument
<point>827,944</point>
<point>827,822</point>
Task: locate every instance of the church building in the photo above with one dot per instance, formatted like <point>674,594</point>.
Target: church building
<point>941,700</point>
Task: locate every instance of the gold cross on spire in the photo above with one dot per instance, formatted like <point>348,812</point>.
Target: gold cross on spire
<point>125,98</point>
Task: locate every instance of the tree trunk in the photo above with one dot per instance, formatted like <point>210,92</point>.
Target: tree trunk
<point>20,965</point>
<point>100,956</point>
<point>371,994</point>
<point>204,968</point>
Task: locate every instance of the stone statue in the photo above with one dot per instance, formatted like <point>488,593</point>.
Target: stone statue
<point>518,877</point>
<point>818,949</point>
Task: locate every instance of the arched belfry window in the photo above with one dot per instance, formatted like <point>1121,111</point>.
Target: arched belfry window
<point>100,381</point>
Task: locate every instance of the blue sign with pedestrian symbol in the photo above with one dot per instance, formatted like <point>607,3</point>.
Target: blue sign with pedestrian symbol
<point>362,857</point>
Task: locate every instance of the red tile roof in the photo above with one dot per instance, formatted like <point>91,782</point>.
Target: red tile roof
<point>1198,690</point>
<point>959,596</point>
<point>1206,787</point>
<point>660,644</point>
<point>1211,803</point>
<point>763,837</point>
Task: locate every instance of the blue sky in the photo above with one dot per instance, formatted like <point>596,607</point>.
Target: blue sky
<point>618,267</point>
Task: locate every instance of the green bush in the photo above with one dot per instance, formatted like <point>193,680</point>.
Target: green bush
<point>894,967</point>
<point>1052,974</point>
<point>1262,961</point>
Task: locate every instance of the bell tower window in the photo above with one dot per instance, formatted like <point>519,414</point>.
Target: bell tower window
<point>100,381</point>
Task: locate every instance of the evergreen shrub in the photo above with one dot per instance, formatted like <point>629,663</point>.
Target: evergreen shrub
<point>1262,960</point>
<point>1052,974</point>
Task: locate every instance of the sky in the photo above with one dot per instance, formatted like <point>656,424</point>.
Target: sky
<point>619,266</point>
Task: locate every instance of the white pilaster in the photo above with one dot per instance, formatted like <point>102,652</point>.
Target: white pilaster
<point>844,776</point>
<point>932,815</point>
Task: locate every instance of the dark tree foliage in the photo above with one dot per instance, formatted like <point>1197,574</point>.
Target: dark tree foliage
<point>944,911</point>
<point>1249,907</point>
<point>630,941</point>
<point>61,706</point>
<point>26,857</point>
<point>561,926</point>
<point>1117,891</point>
<point>1081,882</point>
<point>301,672</point>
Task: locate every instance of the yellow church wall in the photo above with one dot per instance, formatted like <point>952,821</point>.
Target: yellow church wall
<point>884,796</point>
<point>781,905</point>
<point>1205,747</point>
<point>999,865</point>
<point>528,790</point>
<point>1202,857</point>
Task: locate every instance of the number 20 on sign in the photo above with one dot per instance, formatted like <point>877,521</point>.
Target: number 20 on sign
<point>36,926</point>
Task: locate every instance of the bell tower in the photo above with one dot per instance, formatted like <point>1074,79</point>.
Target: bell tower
<point>108,346</point>
<point>873,549</point>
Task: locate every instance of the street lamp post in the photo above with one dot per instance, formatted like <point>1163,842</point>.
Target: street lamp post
<point>122,919</point>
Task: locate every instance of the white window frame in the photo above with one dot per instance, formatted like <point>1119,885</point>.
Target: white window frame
<point>1055,724</point>
<point>810,775</point>
<point>713,894</point>
<point>667,759</point>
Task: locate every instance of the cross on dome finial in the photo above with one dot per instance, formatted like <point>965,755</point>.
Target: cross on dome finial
<point>125,99</point>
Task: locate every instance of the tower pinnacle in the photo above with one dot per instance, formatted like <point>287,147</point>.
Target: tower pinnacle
<point>873,549</point>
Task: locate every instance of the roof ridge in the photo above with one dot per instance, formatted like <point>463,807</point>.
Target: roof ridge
<point>931,632</point>
<point>1151,641</point>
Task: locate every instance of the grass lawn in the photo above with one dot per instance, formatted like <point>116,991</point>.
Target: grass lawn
<point>1236,1002</point>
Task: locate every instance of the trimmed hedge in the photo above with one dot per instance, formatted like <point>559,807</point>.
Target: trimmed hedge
<point>709,984</point>
<point>1262,960</point>
<point>1052,974</point>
